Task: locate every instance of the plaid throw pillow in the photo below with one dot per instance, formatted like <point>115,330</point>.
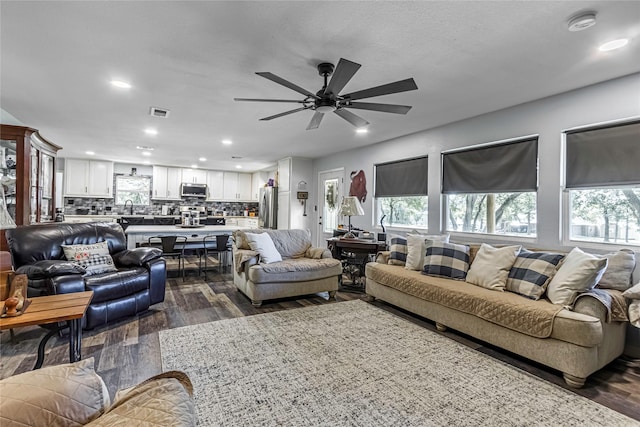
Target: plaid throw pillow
<point>398,248</point>
<point>532,272</point>
<point>446,260</point>
<point>94,258</point>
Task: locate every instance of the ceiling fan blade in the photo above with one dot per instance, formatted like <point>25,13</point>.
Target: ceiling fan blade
<point>286,83</point>
<point>385,108</point>
<point>267,100</point>
<point>341,76</point>
<point>389,88</point>
<point>285,113</point>
<point>315,120</point>
<point>352,118</point>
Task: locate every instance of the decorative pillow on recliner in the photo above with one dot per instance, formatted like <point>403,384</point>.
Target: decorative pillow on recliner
<point>416,248</point>
<point>446,260</point>
<point>491,266</point>
<point>263,244</point>
<point>94,258</point>
<point>532,272</point>
<point>398,250</point>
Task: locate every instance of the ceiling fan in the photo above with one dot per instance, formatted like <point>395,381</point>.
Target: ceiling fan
<point>328,100</point>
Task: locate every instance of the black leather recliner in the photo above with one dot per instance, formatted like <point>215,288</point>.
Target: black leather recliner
<point>139,282</point>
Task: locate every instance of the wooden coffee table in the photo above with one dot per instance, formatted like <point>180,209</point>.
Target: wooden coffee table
<point>52,309</point>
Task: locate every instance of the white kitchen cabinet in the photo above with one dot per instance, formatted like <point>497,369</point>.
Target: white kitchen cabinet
<point>236,186</point>
<point>258,181</point>
<point>194,176</point>
<point>88,178</point>
<point>283,210</point>
<point>284,174</point>
<point>166,183</point>
<point>215,185</point>
<point>244,186</point>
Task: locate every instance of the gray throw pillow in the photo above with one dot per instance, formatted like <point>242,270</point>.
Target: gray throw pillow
<point>619,270</point>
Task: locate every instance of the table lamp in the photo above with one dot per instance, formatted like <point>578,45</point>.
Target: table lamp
<point>351,206</point>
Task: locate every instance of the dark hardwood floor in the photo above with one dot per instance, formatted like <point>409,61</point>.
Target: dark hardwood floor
<point>128,351</point>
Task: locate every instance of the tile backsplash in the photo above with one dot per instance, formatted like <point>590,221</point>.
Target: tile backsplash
<point>99,206</point>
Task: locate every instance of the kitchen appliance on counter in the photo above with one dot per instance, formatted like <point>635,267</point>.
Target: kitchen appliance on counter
<point>190,216</point>
<point>165,210</point>
<point>268,208</point>
<point>193,190</point>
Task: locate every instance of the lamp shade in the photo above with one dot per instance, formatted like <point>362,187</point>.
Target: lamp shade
<point>351,207</point>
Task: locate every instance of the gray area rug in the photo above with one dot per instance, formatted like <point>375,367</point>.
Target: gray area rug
<point>353,364</point>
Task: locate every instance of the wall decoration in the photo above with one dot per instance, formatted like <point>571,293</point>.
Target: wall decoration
<point>358,185</point>
<point>331,196</point>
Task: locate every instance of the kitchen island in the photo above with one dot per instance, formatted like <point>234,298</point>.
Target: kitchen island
<point>138,234</point>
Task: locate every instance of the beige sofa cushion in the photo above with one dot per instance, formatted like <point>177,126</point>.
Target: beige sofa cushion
<point>289,243</point>
<point>295,270</point>
<point>63,395</point>
<point>491,266</point>
<point>578,273</point>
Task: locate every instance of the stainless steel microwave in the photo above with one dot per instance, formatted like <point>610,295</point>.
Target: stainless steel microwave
<point>193,190</point>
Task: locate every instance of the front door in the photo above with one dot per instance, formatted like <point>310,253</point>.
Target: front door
<point>331,192</point>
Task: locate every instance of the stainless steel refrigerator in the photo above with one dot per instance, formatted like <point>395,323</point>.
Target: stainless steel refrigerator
<point>268,208</point>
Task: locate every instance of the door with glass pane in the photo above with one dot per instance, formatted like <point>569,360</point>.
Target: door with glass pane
<point>331,191</point>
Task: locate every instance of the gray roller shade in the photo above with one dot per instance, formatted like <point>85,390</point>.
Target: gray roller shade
<point>500,168</point>
<point>402,178</point>
<point>604,157</point>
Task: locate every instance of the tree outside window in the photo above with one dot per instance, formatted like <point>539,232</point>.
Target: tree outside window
<point>408,211</point>
<point>134,188</point>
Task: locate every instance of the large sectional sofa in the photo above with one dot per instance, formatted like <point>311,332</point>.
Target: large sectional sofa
<point>576,341</point>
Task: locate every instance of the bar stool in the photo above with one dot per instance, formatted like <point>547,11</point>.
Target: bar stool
<point>216,244</point>
<point>163,220</point>
<point>172,246</point>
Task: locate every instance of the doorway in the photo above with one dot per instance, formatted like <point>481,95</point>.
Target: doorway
<point>331,192</point>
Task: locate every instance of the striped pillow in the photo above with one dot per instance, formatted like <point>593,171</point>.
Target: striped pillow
<point>399,249</point>
<point>532,272</point>
<point>446,260</point>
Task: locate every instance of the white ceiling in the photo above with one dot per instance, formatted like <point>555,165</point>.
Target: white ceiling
<point>467,58</point>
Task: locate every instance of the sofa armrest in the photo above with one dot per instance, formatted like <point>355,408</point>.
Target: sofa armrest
<point>66,284</point>
<point>50,268</point>
<point>592,307</point>
<point>137,257</point>
<point>244,258</point>
<point>383,257</point>
<point>318,253</point>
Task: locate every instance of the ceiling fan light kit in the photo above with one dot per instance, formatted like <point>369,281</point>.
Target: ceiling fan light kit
<point>328,100</point>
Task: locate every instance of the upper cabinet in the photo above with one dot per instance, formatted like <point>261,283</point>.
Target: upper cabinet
<point>236,186</point>
<point>88,178</point>
<point>215,185</point>
<point>194,176</point>
<point>27,169</point>
<point>166,183</point>
<point>284,175</point>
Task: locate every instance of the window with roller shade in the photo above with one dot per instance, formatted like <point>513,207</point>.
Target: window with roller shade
<point>602,179</point>
<point>400,191</point>
<point>492,188</point>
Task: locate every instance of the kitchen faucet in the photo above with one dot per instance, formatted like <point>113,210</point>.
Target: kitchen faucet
<point>131,208</point>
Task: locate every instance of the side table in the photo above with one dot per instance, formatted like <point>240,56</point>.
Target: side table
<point>354,254</point>
<point>52,309</point>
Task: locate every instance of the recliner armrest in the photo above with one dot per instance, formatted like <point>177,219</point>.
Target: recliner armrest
<point>50,268</point>
<point>137,257</point>
<point>243,258</point>
<point>318,253</point>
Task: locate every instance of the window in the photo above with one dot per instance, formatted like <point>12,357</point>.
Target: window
<point>492,188</point>
<point>134,188</point>
<point>603,184</point>
<point>401,193</point>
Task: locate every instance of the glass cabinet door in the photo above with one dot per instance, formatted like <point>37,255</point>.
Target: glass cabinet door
<point>46,179</point>
<point>8,159</point>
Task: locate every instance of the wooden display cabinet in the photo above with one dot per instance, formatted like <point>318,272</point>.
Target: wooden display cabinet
<point>27,168</point>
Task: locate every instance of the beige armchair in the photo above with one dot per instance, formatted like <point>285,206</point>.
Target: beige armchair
<point>303,269</point>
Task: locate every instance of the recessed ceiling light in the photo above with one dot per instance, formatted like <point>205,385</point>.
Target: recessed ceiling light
<point>151,131</point>
<point>91,153</point>
<point>203,159</point>
<point>194,166</point>
<point>238,166</point>
<point>120,84</point>
<point>582,21</point>
<point>362,130</point>
<point>146,153</point>
<point>613,44</point>
<point>227,142</point>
